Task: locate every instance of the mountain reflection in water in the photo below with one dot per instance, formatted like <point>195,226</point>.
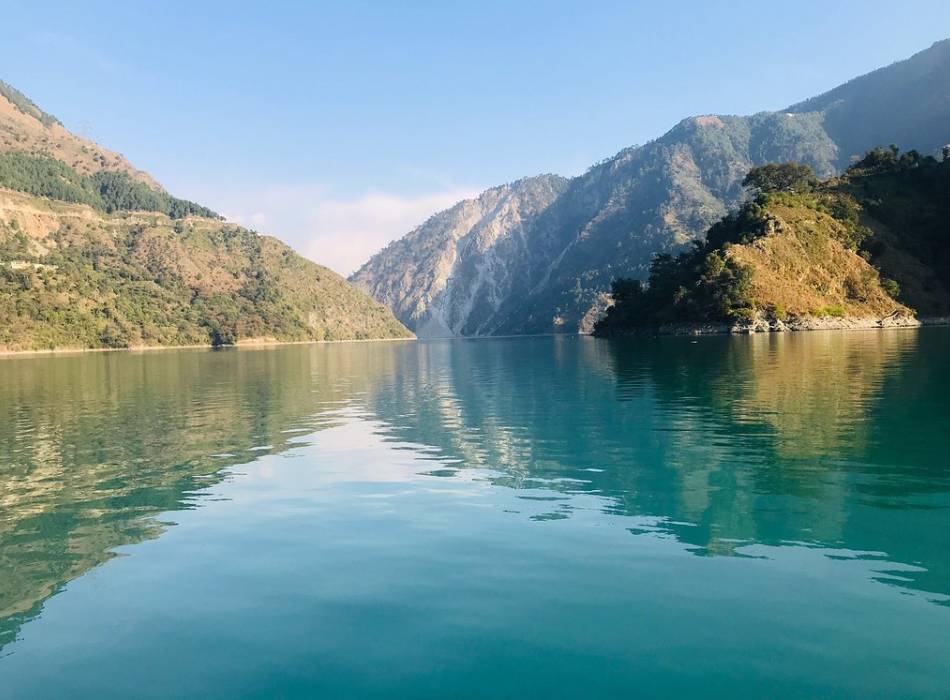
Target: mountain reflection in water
<point>732,446</point>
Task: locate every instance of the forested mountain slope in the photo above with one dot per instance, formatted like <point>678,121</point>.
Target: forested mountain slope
<point>611,221</point>
<point>95,254</point>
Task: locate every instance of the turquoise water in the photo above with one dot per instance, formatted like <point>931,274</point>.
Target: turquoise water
<point>761,516</point>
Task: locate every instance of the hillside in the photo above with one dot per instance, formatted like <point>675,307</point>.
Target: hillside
<point>611,221</point>
<point>907,211</point>
<point>24,127</point>
<point>452,272</point>
<point>74,277</point>
<point>94,254</point>
<point>906,103</point>
<point>864,249</point>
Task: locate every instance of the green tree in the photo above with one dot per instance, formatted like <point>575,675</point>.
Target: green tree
<point>878,159</point>
<point>910,159</point>
<point>626,289</point>
<point>781,177</point>
<point>106,190</point>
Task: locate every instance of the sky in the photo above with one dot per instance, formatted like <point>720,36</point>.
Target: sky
<point>340,126</point>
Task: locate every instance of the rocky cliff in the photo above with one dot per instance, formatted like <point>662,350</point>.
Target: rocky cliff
<point>451,275</point>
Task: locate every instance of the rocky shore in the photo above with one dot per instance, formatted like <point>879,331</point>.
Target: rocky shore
<point>763,323</point>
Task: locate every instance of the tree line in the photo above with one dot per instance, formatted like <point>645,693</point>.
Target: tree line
<point>106,190</point>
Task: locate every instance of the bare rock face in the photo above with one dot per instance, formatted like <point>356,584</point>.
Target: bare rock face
<point>538,255</point>
<point>451,275</point>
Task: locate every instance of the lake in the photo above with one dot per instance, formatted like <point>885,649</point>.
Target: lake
<point>557,517</point>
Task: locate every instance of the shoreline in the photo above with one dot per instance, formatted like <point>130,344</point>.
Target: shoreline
<point>676,329</point>
<point>796,325</point>
<point>240,345</point>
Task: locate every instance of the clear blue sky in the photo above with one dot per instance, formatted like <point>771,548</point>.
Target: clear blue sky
<point>360,115</point>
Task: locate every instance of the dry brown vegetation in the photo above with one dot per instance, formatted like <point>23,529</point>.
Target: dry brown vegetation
<point>803,269</point>
<point>20,131</point>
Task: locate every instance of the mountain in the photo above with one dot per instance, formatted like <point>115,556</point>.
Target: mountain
<point>24,127</point>
<point>906,103</point>
<point>455,269</point>
<point>94,253</point>
<point>611,221</point>
<point>866,249</point>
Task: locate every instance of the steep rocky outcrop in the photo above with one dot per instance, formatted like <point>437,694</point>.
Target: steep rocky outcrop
<point>451,275</point>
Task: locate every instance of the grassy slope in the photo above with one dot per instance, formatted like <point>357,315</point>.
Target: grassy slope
<point>803,269</point>
<point>828,253</point>
<point>71,276</point>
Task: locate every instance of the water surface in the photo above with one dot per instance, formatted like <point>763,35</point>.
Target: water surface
<point>556,517</point>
